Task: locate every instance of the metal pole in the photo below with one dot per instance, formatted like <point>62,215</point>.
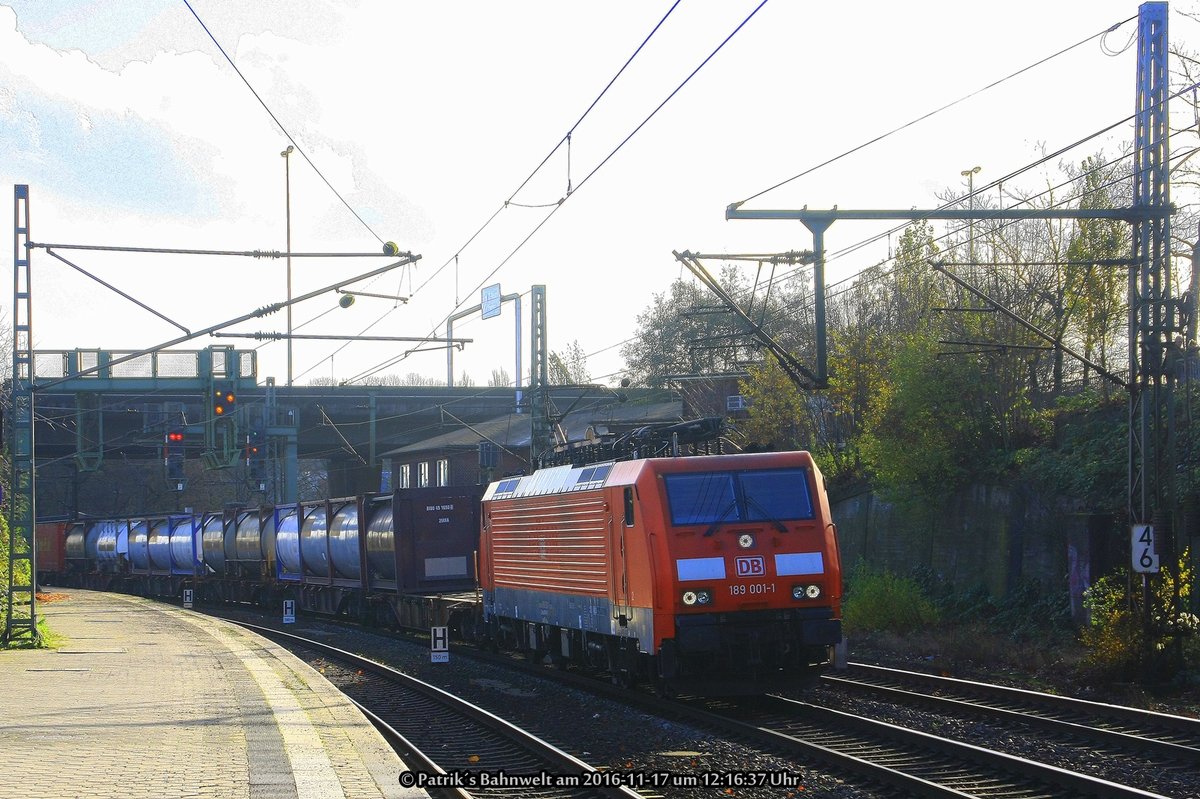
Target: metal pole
<point>817,229</point>
<point>517,302</point>
<point>450,353</point>
<point>970,174</point>
<point>287,182</point>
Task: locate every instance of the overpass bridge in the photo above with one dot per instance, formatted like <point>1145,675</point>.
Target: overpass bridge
<point>89,414</point>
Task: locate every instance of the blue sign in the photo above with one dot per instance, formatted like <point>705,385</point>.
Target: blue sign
<point>489,299</point>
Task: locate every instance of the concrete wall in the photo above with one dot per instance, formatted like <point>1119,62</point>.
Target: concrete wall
<point>990,535</point>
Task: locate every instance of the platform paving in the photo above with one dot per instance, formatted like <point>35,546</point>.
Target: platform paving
<point>147,701</point>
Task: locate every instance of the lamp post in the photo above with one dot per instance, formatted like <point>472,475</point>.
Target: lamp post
<point>287,182</point>
<point>970,174</point>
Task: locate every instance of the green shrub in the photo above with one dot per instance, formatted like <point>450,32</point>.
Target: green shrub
<point>885,602</point>
<point>1120,643</point>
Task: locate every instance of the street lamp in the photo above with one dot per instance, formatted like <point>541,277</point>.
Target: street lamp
<point>287,178</point>
<point>970,174</point>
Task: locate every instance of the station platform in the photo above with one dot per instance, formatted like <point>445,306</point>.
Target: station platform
<point>147,701</point>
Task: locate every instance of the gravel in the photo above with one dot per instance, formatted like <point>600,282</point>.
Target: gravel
<point>613,736</point>
<point>606,734</point>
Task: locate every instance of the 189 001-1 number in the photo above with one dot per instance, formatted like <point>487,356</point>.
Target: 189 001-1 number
<point>742,589</point>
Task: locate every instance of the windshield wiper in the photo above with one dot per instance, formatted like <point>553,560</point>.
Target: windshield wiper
<point>712,528</point>
<point>751,502</point>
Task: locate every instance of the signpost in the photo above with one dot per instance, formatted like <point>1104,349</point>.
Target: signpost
<point>289,611</point>
<point>489,301</point>
<point>439,645</point>
<point>1145,557</point>
<point>187,597</point>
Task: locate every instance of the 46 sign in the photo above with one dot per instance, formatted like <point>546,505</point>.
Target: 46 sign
<point>1145,557</point>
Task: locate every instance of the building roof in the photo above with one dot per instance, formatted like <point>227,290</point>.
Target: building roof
<point>514,430</point>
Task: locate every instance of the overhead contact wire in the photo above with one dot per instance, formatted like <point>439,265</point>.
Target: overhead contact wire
<point>936,111</point>
<point>553,150</point>
<point>284,129</point>
<point>586,178</point>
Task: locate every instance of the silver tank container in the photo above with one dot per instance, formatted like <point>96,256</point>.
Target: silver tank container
<point>112,540</point>
<point>343,541</point>
<point>287,542</point>
<point>75,541</point>
<point>183,545</point>
<point>231,538</point>
<point>91,542</point>
<point>248,542</point>
<point>158,541</point>
<point>212,540</point>
<point>139,545</point>
<point>314,533</point>
<point>381,543</point>
<point>267,542</point>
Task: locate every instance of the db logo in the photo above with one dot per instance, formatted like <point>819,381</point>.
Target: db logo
<point>751,566</point>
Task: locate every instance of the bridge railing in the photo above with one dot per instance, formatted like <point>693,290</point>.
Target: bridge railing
<point>165,364</point>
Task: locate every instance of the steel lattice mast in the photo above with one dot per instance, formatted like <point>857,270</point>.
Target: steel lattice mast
<point>21,512</point>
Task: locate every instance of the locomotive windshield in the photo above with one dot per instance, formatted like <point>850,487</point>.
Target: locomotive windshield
<point>715,497</point>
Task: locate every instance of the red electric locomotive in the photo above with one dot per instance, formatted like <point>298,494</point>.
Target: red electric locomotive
<point>716,574</point>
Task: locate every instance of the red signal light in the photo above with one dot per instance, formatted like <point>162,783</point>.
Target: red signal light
<point>175,437</point>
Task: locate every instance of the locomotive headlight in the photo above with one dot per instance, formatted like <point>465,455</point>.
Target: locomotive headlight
<point>689,597</point>
<point>703,597</point>
<point>806,591</point>
<point>745,541</point>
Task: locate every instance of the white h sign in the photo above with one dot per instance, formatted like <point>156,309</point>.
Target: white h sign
<point>187,597</point>
<point>439,645</point>
<point>289,611</point>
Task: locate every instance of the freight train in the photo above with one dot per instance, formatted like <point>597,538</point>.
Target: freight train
<point>712,573</point>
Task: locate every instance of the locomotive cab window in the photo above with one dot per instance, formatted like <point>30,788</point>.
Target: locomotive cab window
<point>717,497</point>
<point>702,498</point>
<point>776,494</point>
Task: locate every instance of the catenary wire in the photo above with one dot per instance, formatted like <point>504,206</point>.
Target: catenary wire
<point>936,111</point>
<point>282,127</point>
<point>549,155</point>
<point>510,200</point>
<point>601,164</point>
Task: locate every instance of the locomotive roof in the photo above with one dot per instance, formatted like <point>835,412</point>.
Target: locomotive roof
<point>566,479</point>
<point>514,430</point>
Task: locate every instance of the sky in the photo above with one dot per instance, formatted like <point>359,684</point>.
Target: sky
<point>417,122</point>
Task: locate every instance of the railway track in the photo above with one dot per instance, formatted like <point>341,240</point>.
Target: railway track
<point>910,762</point>
<point>1115,728</point>
<point>915,762</point>
<point>468,752</point>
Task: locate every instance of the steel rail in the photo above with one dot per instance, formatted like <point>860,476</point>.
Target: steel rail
<point>410,754</point>
<point>1163,734</point>
<point>918,754</point>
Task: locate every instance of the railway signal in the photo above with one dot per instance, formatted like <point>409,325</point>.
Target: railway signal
<point>173,455</point>
<point>224,401</point>
<point>256,456</point>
